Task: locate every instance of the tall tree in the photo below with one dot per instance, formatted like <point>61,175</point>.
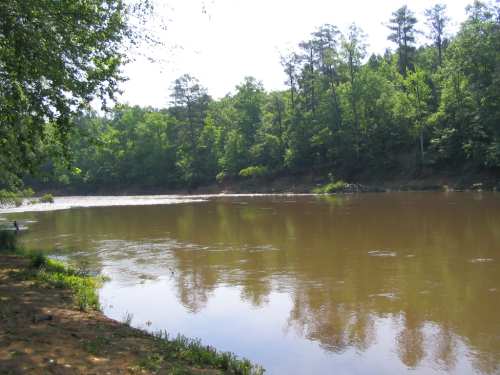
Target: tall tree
<point>190,104</point>
<point>437,20</point>
<point>418,94</point>
<point>55,57</point>
<point>353,52</point>
<point>402,24</point>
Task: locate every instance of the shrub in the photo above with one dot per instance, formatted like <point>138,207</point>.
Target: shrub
<point>332,187</point>
<point>58,275</point>
<point>254,171</point>
<point>221,177</point>
<point>47,198</point>
<point>38,260</point>
<point>8,240</point>
<point>14,198</point>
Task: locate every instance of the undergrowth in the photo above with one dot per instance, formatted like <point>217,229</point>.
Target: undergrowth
<point>331,187</point>
<point>55,274</point>
<point>192,352</point>
<point>59,275</point>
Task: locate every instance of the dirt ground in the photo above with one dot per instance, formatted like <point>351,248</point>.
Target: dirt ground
<point>42,332</point>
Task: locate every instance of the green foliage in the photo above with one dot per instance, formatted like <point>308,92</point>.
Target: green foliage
<point>331,187</point>
<point>191,352</point>
<point>254,172</point>
<point>427,107</point>
<point>58,275</point>
<point>221,177</point>
<point>53,63</point>
<point>38,260</point>
<point>97,346</point>
<point>46,198</point>
<point>14,198</point>
<point>8,240</point>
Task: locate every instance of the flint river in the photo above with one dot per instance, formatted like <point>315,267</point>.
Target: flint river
<point>386,283</point>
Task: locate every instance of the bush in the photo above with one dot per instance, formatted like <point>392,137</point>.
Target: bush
<point>253,172</point>
<point>221,177</point>
<point>38,260</point>
<point>59,275</point>
<point>47,198</point>
<point>8,240</point>
<point>14,198</point>
<point>332,187</point>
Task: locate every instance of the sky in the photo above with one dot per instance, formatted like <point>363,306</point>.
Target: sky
<point>222,41</point>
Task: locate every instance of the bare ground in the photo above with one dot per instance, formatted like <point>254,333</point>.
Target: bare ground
<point>42,332</point>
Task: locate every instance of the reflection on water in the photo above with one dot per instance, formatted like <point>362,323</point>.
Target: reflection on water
<point>374,283</point>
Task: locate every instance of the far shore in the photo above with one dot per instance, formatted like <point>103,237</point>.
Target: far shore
<point>301,184</point>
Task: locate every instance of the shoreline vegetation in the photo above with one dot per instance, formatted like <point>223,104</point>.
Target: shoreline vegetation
<point>51,323</point>
<point>305,184</point>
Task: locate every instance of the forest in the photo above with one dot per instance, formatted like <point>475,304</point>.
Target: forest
<point>415,110</point>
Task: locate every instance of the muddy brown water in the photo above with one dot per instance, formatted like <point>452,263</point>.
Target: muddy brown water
<point>389,283</point>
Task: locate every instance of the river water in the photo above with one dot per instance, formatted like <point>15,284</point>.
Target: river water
<point>389,283</point>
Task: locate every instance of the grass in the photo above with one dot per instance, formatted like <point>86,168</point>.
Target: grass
<point>56,274</point>
<point>332,187</point>
<point>97,346</point>
<point>191,352</point>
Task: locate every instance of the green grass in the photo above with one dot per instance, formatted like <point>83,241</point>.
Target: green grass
<point>332,187</point>
<point>59,275</point>
<point>56,274</point>
<point>98,345</point>
<point>183,352</point>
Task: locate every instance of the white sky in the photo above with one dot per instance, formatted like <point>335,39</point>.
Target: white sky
<point>238,38</point>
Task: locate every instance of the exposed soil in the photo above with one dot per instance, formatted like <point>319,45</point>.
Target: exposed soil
<point>42,332</point>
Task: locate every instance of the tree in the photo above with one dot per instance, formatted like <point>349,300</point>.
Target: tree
<point>418,93</point>
<point>353,52</point>
<point>402,24</point>
<point>55,57</point>
<point>437,22</point>
<point>190,105</point>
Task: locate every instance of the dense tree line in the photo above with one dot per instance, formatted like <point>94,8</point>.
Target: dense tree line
<point>415,108</point>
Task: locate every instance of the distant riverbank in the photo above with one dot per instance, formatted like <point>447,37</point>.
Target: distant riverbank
<point>301,184</point>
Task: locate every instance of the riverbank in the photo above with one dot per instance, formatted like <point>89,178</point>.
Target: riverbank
<point>46,329</point>
<point>302,184</point>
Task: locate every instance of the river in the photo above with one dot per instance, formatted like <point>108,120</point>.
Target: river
<point>351,284</point>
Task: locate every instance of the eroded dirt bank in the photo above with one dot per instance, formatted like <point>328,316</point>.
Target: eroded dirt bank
<point>43,332</point>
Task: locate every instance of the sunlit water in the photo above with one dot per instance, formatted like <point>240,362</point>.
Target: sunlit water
<point>365,284</point>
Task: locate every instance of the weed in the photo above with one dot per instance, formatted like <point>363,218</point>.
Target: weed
<point>59,275</point>
<point>97,346</point>
<point>193,353</point>
<point>127,318</point>
<point>38,260</point>
<point>152,362</point>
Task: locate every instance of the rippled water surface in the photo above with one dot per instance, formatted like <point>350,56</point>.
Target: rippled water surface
<point>364,284</point>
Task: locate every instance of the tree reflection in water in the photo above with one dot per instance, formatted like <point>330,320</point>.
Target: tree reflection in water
<point>347,264</point>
